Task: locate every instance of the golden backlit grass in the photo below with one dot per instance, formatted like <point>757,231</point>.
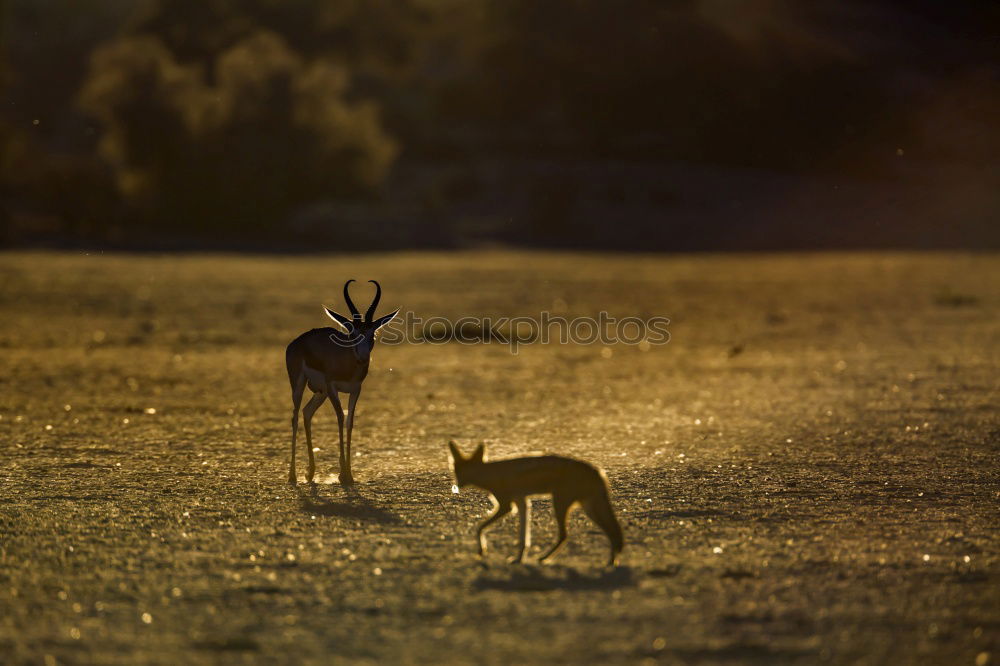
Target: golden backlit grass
<point>806,473</point>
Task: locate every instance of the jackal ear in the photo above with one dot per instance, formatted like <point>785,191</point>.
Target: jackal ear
<point>455,453</point>
<point>344,322</point>
<point>382,321</point>
<point>479,454</point>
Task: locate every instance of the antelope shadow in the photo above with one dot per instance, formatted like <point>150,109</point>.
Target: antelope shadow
<point>532,578</point>
<point>355,506</point>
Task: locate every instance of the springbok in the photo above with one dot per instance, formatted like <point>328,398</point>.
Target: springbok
<point>328,361</point>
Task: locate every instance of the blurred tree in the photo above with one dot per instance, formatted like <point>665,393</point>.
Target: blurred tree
<point>684,79</point>
<point>46,44</point>
<point>231,113</point>
<point>268,131</point>
<point>50,179</point>
<point>401,53</point>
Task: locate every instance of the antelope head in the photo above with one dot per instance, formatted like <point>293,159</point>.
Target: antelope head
<point>360,333</point>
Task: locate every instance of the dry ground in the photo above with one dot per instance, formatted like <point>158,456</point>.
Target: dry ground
<point>807,473</point>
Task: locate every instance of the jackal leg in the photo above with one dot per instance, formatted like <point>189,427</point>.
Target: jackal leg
<point>560,506</point>
<point>524,513</point>
<point>500,509</point>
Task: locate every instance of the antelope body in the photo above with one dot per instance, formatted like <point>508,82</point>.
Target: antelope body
<point>330,361</point>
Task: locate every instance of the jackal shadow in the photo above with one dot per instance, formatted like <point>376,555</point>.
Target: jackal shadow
<point>354,505</point>
<point>537,578</point>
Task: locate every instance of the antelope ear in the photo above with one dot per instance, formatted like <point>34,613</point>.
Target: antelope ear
<point>479,454</point>
<point>382,321</point>
<point>345,322</point>
<point>455,453</point>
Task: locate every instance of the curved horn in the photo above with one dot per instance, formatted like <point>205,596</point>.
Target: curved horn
<point>378,295</point>
<point>350,303</point>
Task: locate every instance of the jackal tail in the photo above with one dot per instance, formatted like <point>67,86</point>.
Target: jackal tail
<point>599,510</point>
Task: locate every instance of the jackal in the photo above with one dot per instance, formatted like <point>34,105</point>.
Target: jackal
<point>511,482</point>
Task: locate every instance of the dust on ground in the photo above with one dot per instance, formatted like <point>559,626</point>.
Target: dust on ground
<point>806,473</point>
